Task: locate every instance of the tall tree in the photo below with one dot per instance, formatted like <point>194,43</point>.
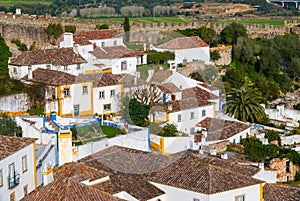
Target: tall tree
<point>4,55</point>
<point>138,112</point>
<point>232,32</point>
<point>127,29</point>
<point>244,104</point>
<point>9,127</point>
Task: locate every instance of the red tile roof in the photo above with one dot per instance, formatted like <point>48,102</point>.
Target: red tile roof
<point>184,43</point>
<point>191,173</point>
<point>11,144</point>
<point>198,93</point>
<point>281,192</point>
<point>83,38</point>
<point>113,52</point>
<point>207,86</point>
<point>168,88</point>
<point>187,104</point>
<point>61,56</point>
<point>51,77</point>
<point>161,76</point>
<point>219,129</point>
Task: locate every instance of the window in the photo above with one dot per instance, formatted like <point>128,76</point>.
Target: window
<point>203,113</point>
<point>192,115</point>
<point>76,110</point>
<point>173,97</point>
<point>1,178</point>
<point>84,89</point>
<point>287,166</point>
<point>196,199</point>
<point>24,163</point>
<point>192,130</point>
<point>102,44</point>
<point>78,67</point>
<point>12,196</point>
<point>25,190</point>
<point>112,93</point>
<point>66,91</point>
<point>106,107</point>
<point>101,94</point>
<point>179,118</point>
<point>240,198</point>
<point>48,66</point>
<point>15,70</point>
<point>123,65</point>
<point>115,42</point>
<point>65,67</point>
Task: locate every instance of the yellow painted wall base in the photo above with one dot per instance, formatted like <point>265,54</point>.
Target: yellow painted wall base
<point>86,113</point>
<point>15,113</point>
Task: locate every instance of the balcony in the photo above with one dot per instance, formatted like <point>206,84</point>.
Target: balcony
<point>13,181</point>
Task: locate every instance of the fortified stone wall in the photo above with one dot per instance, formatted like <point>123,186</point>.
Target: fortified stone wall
<point>29,28</point>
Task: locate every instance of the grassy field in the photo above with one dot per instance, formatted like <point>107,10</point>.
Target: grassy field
<point>8,3</point>
<point>149,19</point>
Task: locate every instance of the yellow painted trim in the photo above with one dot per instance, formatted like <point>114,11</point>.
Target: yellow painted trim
<point>67,115</point>
<point>34,166</point>
<point>74,152</point>
<point>50,170</point>
<point>162,144</point>
<point>84,84</point>
<point>155,146</point>
<point>109,70</point>
<point>92,98</point>
<point>86,113</point>
<point>65,135</point>
<point>15,113</point>
<point>59,97</point>
<point>167,116</point>
<point>261,192</point>
<point>215,110</point>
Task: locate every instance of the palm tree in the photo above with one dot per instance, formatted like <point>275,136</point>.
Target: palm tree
<point>244,104</point>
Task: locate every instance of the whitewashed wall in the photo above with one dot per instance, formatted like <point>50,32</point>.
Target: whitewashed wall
<point>251,193</point>
<point>14,103</point>
<point>289,140</point>
<point>26,178</point>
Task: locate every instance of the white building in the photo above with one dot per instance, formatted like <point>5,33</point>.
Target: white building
<point>187,49</point>
<point>17,167</point>
<point>64,60</point>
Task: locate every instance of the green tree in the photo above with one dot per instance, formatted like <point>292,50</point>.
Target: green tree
<point>21,46</point>
<point>102,26</point>
<point>9,127</point>
<point>159,57</point>
<point>168,130</point>
<point>232,32</point>
<point>244,104</point>
<point>70,28</point>
<point>126,29</point>
<point>273,135</point>
<point>215,55</point>
<point>138,113</point>
<point>4,56</point>
<point>54,30</point>
<point>294,68</point>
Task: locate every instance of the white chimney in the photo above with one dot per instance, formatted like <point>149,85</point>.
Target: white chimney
<point>48,174</point>
<point>224,156</point>
<point>145,47</point>
<point>29,73</point>
<point>280,109</point>
<point>213,152</point>
<point>68,40</point>
<point>18,11</point>
<point>261,165</point>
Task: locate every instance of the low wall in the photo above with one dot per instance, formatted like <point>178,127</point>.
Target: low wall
<point>14,103</point>
<point>289,140</point>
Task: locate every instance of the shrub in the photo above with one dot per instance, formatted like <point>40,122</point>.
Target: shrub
<point>168,130</point>
<point>102,26</point>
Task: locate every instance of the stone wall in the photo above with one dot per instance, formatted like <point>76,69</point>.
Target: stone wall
<point>281,165</point>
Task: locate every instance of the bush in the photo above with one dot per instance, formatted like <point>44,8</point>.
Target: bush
<point>70,28</point>
<point>168,130</point>
<point>297,176</point>
<point>102,26</point>
<point>111,131</point>
<point>54,30</point>
<point>35,110</point>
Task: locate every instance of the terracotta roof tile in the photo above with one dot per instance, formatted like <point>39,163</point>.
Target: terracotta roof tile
<point>187,104</point>
<point>61,56</point>
<point>184,43</point>
<point>108,79</point>
<point>207,86</point>
<point>281,192</point>
<point>113,52</point>
<point>84,37</point>
<point>219,129</point>
<point>198,93</point>
<point>191,173</point>
<point>11,144</point>
<point>161,76</point>
<point>168,88</point>
<point>51,77</point>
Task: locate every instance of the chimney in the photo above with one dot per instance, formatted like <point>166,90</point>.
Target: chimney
<point>94,46</point>
<point>29,73</point>
<point>145,47</point>
<point>224,156</point>
<point>261,165</point>
<point>68,40</point>
<point>48,174</point>
<point>213,152</point>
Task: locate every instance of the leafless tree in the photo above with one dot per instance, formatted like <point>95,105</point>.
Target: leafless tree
<point>149,94</point>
